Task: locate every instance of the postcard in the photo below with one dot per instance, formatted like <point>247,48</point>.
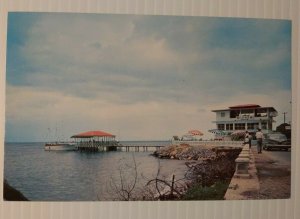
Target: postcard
<point>120,107</point>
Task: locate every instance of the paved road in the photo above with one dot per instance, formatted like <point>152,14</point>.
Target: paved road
<point>281,157</point>
<point>274,174</point>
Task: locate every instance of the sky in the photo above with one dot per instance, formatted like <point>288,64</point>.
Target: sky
<point>139,77</point>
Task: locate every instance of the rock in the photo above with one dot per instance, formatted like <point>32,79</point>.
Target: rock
<point>12,194</point>
<point>185,152</point>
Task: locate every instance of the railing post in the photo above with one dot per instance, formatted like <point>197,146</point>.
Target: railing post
<point>242,162</point>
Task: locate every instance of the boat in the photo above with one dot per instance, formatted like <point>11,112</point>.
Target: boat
<point>60,146</point>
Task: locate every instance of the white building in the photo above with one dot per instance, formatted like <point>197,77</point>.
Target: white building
<point>245,117</point>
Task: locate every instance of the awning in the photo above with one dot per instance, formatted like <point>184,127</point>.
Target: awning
<point>218,132</point>
<point>91,134</point>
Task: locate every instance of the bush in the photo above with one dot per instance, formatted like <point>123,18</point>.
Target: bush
<point>214,192</point>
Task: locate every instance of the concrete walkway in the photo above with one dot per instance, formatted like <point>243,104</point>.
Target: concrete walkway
<point>268,179</point>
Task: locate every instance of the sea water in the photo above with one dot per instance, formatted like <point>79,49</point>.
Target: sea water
<point>80,176</point>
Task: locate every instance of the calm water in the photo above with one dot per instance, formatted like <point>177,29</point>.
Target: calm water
<point>73,176</point>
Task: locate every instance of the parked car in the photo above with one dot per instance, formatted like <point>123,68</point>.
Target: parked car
<point>276,141</point>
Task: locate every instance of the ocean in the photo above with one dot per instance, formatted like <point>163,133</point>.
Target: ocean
<point>80,176</point>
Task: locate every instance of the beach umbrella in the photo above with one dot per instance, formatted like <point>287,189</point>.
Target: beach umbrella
<point>195,132</point>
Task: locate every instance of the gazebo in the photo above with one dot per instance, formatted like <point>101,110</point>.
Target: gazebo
<point>95,140</point>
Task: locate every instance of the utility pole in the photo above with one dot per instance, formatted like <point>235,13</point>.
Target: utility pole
<point>284,116</point>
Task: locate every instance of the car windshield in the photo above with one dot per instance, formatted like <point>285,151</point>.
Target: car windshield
<point>277,137</point>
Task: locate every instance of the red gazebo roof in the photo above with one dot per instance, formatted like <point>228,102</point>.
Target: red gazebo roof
<point>91,134</point>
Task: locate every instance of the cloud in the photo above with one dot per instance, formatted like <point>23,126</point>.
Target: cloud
<point>141,120</point>
<point>147,76</point>
<point>148,120</point>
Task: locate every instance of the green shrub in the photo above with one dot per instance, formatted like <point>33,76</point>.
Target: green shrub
<point>214,192</point>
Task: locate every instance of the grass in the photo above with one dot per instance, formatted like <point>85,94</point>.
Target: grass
<point>214,192</point>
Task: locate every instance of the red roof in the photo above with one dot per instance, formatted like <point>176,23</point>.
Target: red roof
<point>91,134</point>
<point>245,106</point>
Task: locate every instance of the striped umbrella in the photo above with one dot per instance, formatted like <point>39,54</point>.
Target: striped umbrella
<point>195,132</point>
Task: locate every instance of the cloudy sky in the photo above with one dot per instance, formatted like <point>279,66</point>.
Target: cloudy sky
<point>139,77</point>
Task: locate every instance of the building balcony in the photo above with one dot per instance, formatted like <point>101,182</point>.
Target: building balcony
<point>247,119</point>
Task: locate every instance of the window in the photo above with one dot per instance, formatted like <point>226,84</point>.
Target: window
<point>222,114</point>
<point>246,111</point>
<point>221,126</point>
<point>229,126</point>
<point>240,126</point>
<point>263,125</point>
<point>234,113</point>
<point>252,126</point>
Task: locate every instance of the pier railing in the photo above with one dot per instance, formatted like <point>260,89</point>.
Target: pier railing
<point>138,148</point>
<point>114,145</point>
<point>96,143</point>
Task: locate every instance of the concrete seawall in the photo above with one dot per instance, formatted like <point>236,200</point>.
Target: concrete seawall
<point>244,184</point>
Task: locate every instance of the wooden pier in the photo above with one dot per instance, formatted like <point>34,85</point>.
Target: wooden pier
<point>95,141</point>
<point>98,147</point>
<point>138,148</point>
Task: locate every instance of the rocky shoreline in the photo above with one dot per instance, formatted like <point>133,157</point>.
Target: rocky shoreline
<point>196,153</point>
<point>184,152</point>
<point>209,170</point>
